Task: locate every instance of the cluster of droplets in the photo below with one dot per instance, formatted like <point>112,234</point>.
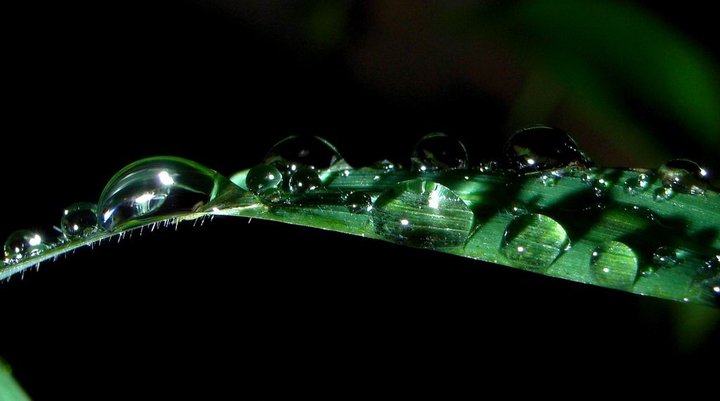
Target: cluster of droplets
<point>144,190</point>
<point>421,209</point>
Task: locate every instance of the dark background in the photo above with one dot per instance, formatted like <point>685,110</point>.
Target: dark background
<point>232,307</point>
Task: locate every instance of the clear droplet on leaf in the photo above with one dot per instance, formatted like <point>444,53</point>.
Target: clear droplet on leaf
<point>263,178</point>
<point>304,180</point>
<point>637,185</point>
<point>303,151</point>
<point>541,148</point>
<point>614,265</point>
<point>385,165</point>
<point>79,220</point>
<point>438,151</point>
<point>534,241</point>
<point>422,214</point>
<point>665,257</point>
<point>157,186</point>
<point>23,244</point>
<point>358,202</point>
<point>684,176</point>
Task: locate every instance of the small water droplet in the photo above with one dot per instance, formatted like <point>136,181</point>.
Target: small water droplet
<point>358,202</point>
<point>550,179</point>
<point>423,214</point>
<point>263,178</point>
<point>684,176</point>
<point>637,185</point>
<point>541,148</point>
<point>24,244</point>
<point>534,241</point>
<point>663,193</point>
<point>157,186</point>
<point>303,151</point>
<point>385,165</point>
<point>665,257</point>
<point>438,151</point>
<point>709,269</point>
<point>79,219</point>
<point>304,180</point>
<point>614,264</point>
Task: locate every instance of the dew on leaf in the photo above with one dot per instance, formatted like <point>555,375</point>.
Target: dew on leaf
<point>438,151</point>
<point>422,214</point>
<point>534,241</point>
<point>541,148</point>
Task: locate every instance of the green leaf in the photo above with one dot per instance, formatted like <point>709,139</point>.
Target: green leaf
<point>9,389</point>
<point>617,228</point>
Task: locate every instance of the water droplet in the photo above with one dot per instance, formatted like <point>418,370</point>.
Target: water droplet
<point>637,185</point>
<point>304,180</point>
<point>24,244</point>
<point>709,269</point>
<point>79,219</point>
<point>614,264</point>
<point>423,214</point>
<point>542,148</point>
<point>665,257</point>
<point>385,165</point>
<point>438,151</point>
<point>303,151</point>
<point>684,176</point>
<point>358,202</point>
<point>534,241</point>
<point>550,179</point>
<point>157,186</point>
<point>663,193</point>
<point>263,178</point>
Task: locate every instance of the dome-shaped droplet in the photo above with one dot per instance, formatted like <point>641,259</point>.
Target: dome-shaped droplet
<point>385,165</point>
<point>358,202</point>
<point>423,214</point>
<point>550,179</point>
<point>79,219</point>
<point>303,151</point>
<point>614,264</point>
<point>637,185</point>
<point>438,151</point>
<point>665,257</point>
<point>304,180</point>
<point>541,148</point>
<point>263,178</point>
<point>24,244</point>
<point>157,186</point>
<point>709,269</point>
<point>684,176</point>
<point>534,241</point>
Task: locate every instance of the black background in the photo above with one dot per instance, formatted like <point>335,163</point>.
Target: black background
<point>237,307</point>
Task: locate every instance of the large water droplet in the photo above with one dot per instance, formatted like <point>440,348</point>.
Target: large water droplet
<point>684,176</point>
<point>541,148</point>
<point>637,185</point>
<point>303,151</point>
<point>79,219</point>
<point>358,202</point>
<point>157,186</point>
<point>263,178</point>
<point>438,151</point>
<point>24,244</point>
<point>423,214</point>
<point>614,264</point>
<point>665,257</point>
<point>534,241</point>
<point>304,180</point>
